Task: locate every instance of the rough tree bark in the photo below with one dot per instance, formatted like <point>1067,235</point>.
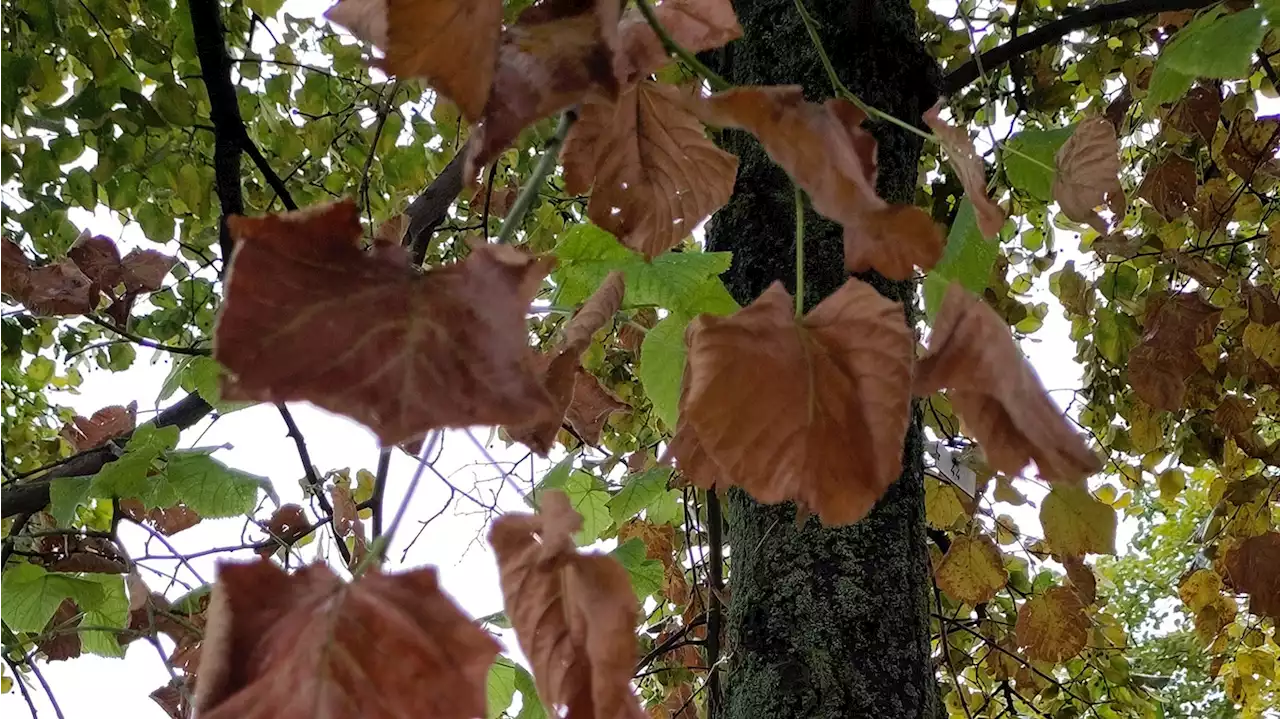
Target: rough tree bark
<point>825,622</point>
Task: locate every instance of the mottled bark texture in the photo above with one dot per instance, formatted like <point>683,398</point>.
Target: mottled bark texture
<point>825,622</point>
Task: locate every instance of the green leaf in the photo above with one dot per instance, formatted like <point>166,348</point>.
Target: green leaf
<point>66,494</point>
<point>1167,85</point>
<point>1216,46</point>
<point>968,258</point>
<point>1028,157</point>
<point>204,375</point>
<point>125,477</point>
<point>497,619</point>
<point>500,689</point>
<point>209,487</point>
<point>662,359</point>
<point>674,280</point>
<point>638,493</point>
<point>111,610</point>
<point>646,574</point>
<point>152,439</point>
<point>1075,523</point>
<point>590,498</point>
<point>32,595</point>
<point>530,705</point>
<point>555,478</point>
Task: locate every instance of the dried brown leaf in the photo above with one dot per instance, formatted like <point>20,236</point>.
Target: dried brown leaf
<point>15,267</point>
<point>1251,146</point>
<point>366,19</point>
<point>828,394</point>
<point>695,25</point>
<point>1198,268</point>
<point>309,316</point>
<point>1170,186</point>
<point>828,153</point>
<point>1089,174</point>
<point>1082,578</point>
<point>997,393</point>
<point>60,641</point>
<point>654,173</point>
<point>166,520</point>
<point>89,562</point>
<point>172,697</point>
<point>1253,567</point>
<point>968,166</point>
<point>308,644</point>
<point>591,406</point>
<point>1262,304</point>
<point>555,55</point>
<point>1180,321</point>
<point>596,313</point>
<point>145,270</point>
<point>99,260</point>
<point>1198,112</point>
<point>105,424</point>
<point>1159,377</point>
<point>59,289</point>
<point>453,44</point>
<point>574,614</point>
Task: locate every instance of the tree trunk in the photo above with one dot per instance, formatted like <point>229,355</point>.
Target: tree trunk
<point>825,622</point>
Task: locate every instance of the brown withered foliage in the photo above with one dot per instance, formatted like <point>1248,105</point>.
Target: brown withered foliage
<point>1253,567</point>
<point>104,425</point>
<point>827,152</point>
<point>655,175</point>
<point>310,316</point>
<point>1089,174</point>
<point>1170,186</point>
<point>833,450</point>
<point>573,613</point>
<point>997,393</point>
<point>695,25</point>
<point>308,644</point>
<point>967,163</point>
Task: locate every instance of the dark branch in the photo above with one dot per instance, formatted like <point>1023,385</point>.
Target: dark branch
<point>957,79</point>
<point>313,480</point>
<point>715,578</point>
<point>228,126</point>
<point>431,208</point>
<point>31,494</point>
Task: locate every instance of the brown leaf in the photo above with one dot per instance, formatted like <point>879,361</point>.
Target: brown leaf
<point>172,697</point>
<point>308,644</point>
<point>309,316</point>
<point>786,409</point>
<point>1082,578</point>
<point>574,614</point>
<point>596,313</point>
<point>824,148</point>
<point>99,260</point>
<point>695,25</point>
<point>1251,146</point>
<point>65,643</point>
<point>1053,626</point>
<point>631,335</point>
<point>1235,414</point>
<point>1117,244</point>
<point>557,53</point>
<point>1197,113</point>
<point>1180,321</point>
<point>287,525</point>
<point>1198,268</point>
<point>1170,186</point>
<point>145,270</point>
<point>1119,108</point>
<point>346,522</point>
<point>366,19</point>
<point>15,267</point>
<point>1253,567</point>
<point>89,562</point>
<point>1159,377</point>
<point>655,175</point>
<point>591,406</point>
<point>997,393</point>
<point>1215,204</point>
<point>59,289</point>
<point>453,44</point>
<point>1262,305</point>
<point>166,520</point>
<point>968,166</point>
<point>105,424</point>
<point>1089,174</point>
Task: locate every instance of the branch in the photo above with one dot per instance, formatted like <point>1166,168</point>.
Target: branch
<point>32,495</point>
<point>315,482</point>
<point>957,79</point>
<point>228,126</point>
<point>431,208</point>
<point>715,578</point>
<point>143,341</point>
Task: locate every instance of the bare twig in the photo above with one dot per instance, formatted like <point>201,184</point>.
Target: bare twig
<point>715,582</point>
<point>379,489</point>
<point>35,669</point>
<point>140,340</point>
<point>313,479</point>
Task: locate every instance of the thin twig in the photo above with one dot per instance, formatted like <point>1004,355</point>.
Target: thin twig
<point>35,669</point>
<point>22,685</point>
<point>383,113</point>
<point>140,340</point>
<point>316,484</point>
<point>379,489</point>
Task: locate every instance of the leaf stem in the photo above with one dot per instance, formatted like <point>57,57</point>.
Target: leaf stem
<point>799,252</point>
<point>811,26</point>
<point>546,163</point>
<point>716,82</point>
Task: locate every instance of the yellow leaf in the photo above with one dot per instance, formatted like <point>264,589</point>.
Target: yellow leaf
<point>1053,626</point>
<point>1171,482</point>
<point>1263,342</point>
<point>972,571</point>
<point>1006,529</point>
<point>942,506</point>
<point>1075,523</point>
<point>1005,492</point>
<point>1145,430</point>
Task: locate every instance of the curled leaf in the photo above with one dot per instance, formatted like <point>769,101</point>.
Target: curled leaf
<point>310,316</point>
<point>574,614</point>
<point>308,644</point>
<point>557,53</point>
<point>968,167</point>
<point>1089,173</point>
<point>813,410</point>
<point>451,43</point>
<point>997,392</point>
<point>824,148</point>
<point>654,173</point>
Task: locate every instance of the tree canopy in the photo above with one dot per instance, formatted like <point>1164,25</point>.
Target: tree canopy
<point>434,214</point>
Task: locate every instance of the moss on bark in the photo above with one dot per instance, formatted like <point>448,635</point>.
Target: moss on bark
<point>825,622</point>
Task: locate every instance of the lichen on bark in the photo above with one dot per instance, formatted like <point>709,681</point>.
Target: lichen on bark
<point>825,622</point>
